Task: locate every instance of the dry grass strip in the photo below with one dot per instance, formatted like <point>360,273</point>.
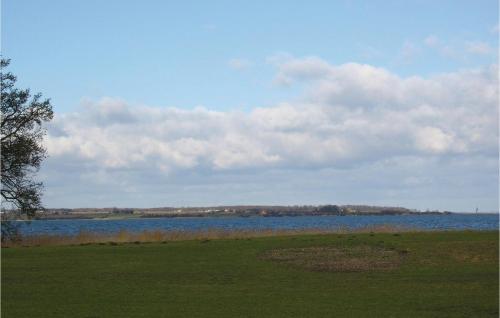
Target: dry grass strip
<point>124,236</point>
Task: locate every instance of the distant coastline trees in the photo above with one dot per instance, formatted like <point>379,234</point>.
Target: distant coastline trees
<point>22,151</point>
<point>330,209</point>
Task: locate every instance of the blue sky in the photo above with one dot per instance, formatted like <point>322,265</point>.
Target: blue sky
<point>283,92</point>
<point>176,53</point>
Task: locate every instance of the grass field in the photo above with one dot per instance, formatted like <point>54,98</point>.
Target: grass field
<point>421,274</point>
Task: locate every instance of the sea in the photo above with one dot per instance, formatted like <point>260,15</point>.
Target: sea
<point>456,221</point>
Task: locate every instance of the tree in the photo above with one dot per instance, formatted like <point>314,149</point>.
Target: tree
<point>21,147</point>
<point>330,209</point>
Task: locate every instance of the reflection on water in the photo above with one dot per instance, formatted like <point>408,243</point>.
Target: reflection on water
<point>444,222</point>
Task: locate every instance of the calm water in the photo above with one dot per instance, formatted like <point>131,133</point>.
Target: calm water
<point>435,222</point>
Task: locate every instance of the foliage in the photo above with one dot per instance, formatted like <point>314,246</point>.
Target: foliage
<point>21,151</point>
<point>330,209</point>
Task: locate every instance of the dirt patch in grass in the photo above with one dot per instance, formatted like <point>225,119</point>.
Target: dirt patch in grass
<point>338,259</point>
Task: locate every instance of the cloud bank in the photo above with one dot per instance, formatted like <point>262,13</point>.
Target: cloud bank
<point>350,117</point>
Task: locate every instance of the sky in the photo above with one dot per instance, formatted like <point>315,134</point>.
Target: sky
<point>190,103</point>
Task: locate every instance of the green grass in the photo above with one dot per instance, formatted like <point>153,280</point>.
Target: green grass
<point>441,274</point>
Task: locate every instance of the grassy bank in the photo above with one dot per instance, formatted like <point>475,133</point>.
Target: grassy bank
<point>410,274</point>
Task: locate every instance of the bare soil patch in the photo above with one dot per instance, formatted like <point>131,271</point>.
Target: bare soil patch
<point>338,259</point>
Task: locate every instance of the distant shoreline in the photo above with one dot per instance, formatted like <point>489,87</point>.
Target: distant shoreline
<point>228,211</point>
<point>237,216</point>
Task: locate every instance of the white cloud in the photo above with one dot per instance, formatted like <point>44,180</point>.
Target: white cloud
<point>347,112</point>
<point>349,116</point>
<point>368,51</point>
<point>408,52</point>
<point>279,58</point>
<point>306,68</point>
<point>458,50</point>
<point>494,29</point>
<point>431,41</point>
<point>478,47</point>
<point>239,63</point>
<point>434,140</point>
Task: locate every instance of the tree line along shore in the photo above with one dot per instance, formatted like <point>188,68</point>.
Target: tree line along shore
<point>239,211</point>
